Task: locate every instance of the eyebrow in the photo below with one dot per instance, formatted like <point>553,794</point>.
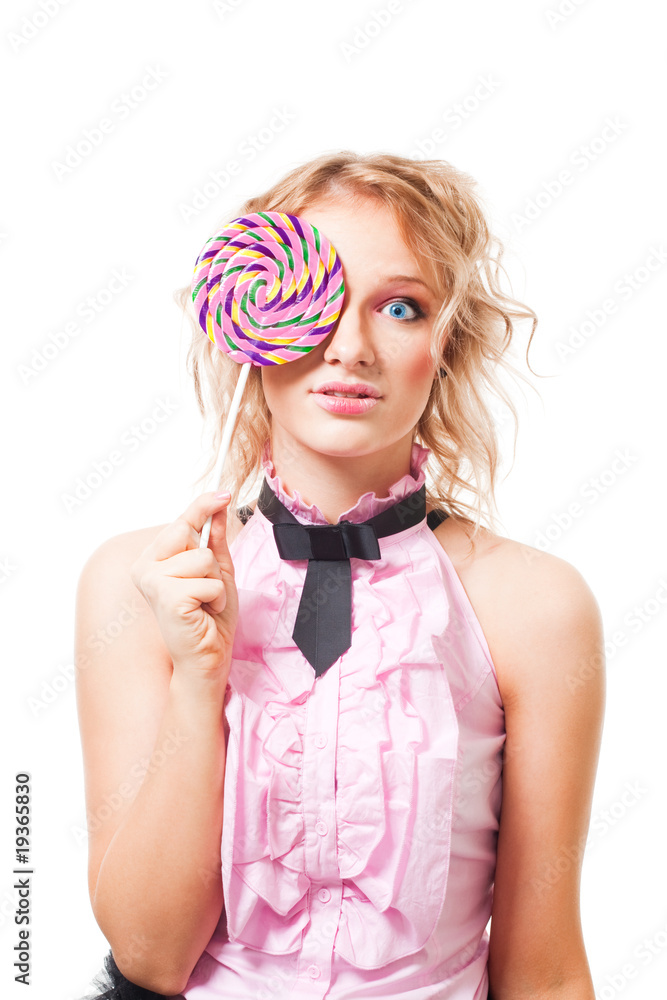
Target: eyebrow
<point>411,279</point>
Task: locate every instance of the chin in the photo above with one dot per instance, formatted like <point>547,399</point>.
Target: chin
<point>346,446</point>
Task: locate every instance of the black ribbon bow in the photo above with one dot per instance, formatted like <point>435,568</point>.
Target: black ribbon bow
<point>323,628</point>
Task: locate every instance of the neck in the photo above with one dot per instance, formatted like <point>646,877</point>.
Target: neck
<point>335,482</point>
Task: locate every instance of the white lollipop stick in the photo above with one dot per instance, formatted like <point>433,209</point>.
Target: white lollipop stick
<point>224,445</point>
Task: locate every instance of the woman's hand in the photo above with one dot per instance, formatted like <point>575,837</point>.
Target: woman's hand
<point>192,591</point>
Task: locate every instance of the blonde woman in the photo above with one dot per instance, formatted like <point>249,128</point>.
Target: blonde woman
<point>343,823</point>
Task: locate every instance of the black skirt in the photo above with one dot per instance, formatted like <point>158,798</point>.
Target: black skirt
<point>111,984</point>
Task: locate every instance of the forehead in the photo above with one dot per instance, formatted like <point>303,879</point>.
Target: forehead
<point>364,232</point>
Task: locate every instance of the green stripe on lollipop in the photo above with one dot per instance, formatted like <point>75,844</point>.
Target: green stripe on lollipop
<point>337,294</point>
<point>298,322</point>
<point>310,319</point>
<point>252,293</point>
<point>264,327</point>
<point>289,255</point>
<point>233,270</point>
<point>229,340</point>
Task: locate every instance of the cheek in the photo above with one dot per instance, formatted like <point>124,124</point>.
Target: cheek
<point>278,388</point>
<point>270,396</point>
<point>407,354</point>
<point>417,369</point>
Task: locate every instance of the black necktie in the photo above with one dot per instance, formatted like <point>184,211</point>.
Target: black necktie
<point>323,629</point>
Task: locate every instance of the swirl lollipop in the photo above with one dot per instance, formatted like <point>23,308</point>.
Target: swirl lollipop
<point>267,289</point>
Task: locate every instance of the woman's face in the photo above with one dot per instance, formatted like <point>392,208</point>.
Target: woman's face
<point>382,339</point>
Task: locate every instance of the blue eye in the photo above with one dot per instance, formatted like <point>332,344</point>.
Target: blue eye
<point>399,309</point>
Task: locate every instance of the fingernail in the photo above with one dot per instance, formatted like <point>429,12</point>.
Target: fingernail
<point>222,496</point>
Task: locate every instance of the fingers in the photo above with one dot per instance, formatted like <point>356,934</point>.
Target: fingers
<point>218,539</point>
<point>188,595</point>
<point>197,568</point>
<point>175,554</point>
<point>192,564</point>
<point>183,533</point>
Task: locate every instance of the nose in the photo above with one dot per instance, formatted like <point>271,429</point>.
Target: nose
<point>350,342</point>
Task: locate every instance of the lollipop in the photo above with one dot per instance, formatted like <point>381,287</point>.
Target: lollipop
<point>267,289</point>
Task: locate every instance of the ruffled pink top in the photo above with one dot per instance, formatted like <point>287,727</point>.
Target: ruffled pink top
<point>361,808</point>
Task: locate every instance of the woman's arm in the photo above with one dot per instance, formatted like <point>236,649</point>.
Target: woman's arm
<point>154,757</point>
<point>546,640</point>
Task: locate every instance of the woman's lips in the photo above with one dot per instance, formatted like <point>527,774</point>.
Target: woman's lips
<point>344,405</point>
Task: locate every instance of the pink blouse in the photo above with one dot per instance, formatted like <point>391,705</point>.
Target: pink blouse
<point>360,808</point>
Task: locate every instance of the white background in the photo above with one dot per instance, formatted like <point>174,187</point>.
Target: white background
<point>553,83</point>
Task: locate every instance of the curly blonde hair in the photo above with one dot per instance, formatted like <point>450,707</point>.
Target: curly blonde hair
<point>443,223</point>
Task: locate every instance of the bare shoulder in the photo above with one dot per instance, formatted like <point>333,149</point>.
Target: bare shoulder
<point>111,613</point>
<point>123,549</point>
<point>525,600</point>
<point>127,544</point>
<point>108,567</point>
<point>105,579</point>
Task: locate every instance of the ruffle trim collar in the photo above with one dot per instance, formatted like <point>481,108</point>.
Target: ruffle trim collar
<point>368,505</point>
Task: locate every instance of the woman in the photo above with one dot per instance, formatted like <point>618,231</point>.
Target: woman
<point>363,845</point>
